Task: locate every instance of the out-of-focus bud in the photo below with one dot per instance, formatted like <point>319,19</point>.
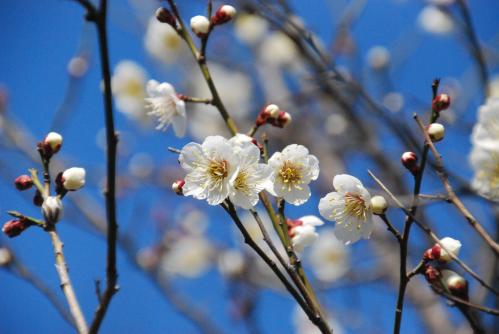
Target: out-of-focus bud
<point>177,187</point>
<point>272,110</point>
<point>378,57</point>
<point>23,182</point>
<point>231,263</point>
<point>200,25</point>
<point>224,14</point>
<point>73,178</point>
<point>431,274</point>
<point>52,209</point>
<point>15,227</point>
<point>441,102</point>
<point>410,161</point>
<point>379,205</point>
<point>436,131</point>
<point>456,284</point>
<point>78,66</point>
<point>283,119</point>
<point>38,198</point>
<point>164,16</point>
<point>5,257</point>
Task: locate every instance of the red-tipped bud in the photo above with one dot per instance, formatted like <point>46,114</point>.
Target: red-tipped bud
<point>441,102</point>
<point>410,161</point>
<point>223,14</point>
<point>283,119</point>
<point>15,227</point>
<point>38,199</point>
<point>177,187</point>
<point>431,274</point>
<point>432,253</point>
<point>50,145</point>
<point>456,284</point>
<point>163,15</point>
<point>23,182</point>
<point>292,223</point>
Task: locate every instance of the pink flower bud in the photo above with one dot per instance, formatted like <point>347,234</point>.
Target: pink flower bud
<point>163,15</point>
<point>23,182</point>
<point>410,161</point>
<point>223,14</point>
<point>441,102</point>
<point>15,227</point>
<point>177,187</point>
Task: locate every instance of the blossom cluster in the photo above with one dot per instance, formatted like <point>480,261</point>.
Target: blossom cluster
<point>484,156</point>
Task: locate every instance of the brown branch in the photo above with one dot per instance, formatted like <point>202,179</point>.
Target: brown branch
<point>439,167</point>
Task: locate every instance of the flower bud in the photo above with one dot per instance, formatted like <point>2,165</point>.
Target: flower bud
<point>200,25</point>
<point>177,187</point>
<point>5,256</point>
<point>441,102</point>
<point>73,178</point>
<point>410,161</point>
<point>163,15</point>
<point>379,205</point>
<point>54,141</point>
<point>436,131</point>
<point>449,246</point>
<point>223,14</point>
<point>38,198</point>
<point>283,119</point>
<point>52,209</point>
<point>431,274</point>
<point>272,110</point>
<point>15,227</point>
<point>455,283</point>
<point>23,182</point>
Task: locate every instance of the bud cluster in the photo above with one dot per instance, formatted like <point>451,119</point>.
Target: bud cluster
<point>271,114</point>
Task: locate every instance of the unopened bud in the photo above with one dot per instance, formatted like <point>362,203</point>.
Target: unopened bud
<point>5,257</point>
<point>449,246</point>
<point>410,161</point>
<point>52,209</point>
<point>431,274</point>
<point>15,227</point>
<point>283,119</point>
<point>38,198</point>
<point>73,178</point>
<point>200,25</point>
<point>441,102</point>
<point>432,253</point>
<point>436,131</point>
<point>379,205</point>
<point>257,144</point>
<point>23,182</point>
<point>177,187</point>
<point>223,14</point>
<point>272,110</point>
<point>455,283</point>
<point>163,15</point>
<point>54,141</point>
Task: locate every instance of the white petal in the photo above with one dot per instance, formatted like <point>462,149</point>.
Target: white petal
<point>344,183</point>
<point>179,124</point>
<point>151,88</point>
<point>330,203</point>
<point>311,220</point>
<point>191,156</point>
<point>296,196</point>
<point>165,89</point>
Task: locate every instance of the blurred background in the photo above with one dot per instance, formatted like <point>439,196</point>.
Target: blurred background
<point>350,73</point>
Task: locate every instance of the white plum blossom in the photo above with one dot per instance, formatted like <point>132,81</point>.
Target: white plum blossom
<point>251,28</point>
<point>252,177</point>
<point>447,247</point>
<point>328,257</point>
<point>433,20</point>
<point>129,88</point>
<point>164,104</point>
<point>303,232</point>
<point>293,169</point>
<point>211,169</point>
<point>163,42</point>
<point>73,178</point>
<point>350,207</point>
<point>188,256</point>
<point>484,156</point>
<point>231,263</point>
<point>378,57</point>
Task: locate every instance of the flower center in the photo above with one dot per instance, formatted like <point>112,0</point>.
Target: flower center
<point>218,169</point>
<point>134,88</point>
<point>355,206</point>
<point>171,41</point>
<point>241,182</point>
<point>290,175</point>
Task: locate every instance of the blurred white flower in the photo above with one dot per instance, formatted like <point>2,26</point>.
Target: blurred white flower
<point>211,169</point>
<point>350,207</point>
<point>141,165</point>
<point>302,231</point>
<point>164,104</point>
<point>231,263</point>
<point>129,88</point>
<point>188,256</point>
<point>378,57</point>
<point>252,177</point>
<point>73,178</point>
<point>236,90</point>
<point>328,257</point>
<point>484,156</point>
<point>163,42</point>
<point>303,325</point>
<point>278,49</point>
<point>250,28</point>
<point>293,169</point>
<point>435,21</point>
<point>494,86</point>
<point>393,101</point>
